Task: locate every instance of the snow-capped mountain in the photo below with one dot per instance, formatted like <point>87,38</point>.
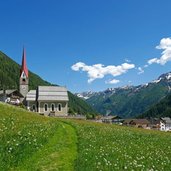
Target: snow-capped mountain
<point>85,95</point>
<point>129,100</point>
<point>163,78</point>
<point>166,76</point>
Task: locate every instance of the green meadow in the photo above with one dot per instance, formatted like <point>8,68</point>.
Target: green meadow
<point>31,142</point>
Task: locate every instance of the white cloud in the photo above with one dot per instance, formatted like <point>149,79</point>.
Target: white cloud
<point>153,60</point>
<point>114,81</point>
<point>141,71</point>
<point>165,45</point>
<point>98,71</point>
<point>145,66</point>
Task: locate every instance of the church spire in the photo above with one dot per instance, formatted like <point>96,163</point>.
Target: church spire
<point>24,66</point>
<point>24,79</point>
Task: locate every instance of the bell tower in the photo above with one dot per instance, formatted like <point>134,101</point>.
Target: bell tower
<point>24,79</point>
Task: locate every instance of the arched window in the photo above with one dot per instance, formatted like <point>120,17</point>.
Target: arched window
<point>59,107</point>
<point>34,108</point>
<point>52,107</point>
<point>45,107</point>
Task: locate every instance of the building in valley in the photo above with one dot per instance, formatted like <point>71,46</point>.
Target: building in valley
<point>165,124</point>
<point>139,123</point>
<point>113,119</point>
<point>11,96</point>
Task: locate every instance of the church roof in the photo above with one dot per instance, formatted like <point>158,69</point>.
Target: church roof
<point>31,95</point>
<point>48,93</point>
<point>11,91</point>
<point>24,66</point>
<point>52,93</point>
<point>7,92</point>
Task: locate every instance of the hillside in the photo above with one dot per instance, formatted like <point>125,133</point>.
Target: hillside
<point>9,79</point>
<point>32,142</point>
<point>161,109</point>
<point>80,106</point>
<point>9,74</point>
<point>129,101</point>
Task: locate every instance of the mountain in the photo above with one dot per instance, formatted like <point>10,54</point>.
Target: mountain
<point>9,79</point>
<point>129,101</point>
<point>161,109</point>
<point>85,95</point>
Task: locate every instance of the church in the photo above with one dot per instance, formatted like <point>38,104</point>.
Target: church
<point>47,100</point>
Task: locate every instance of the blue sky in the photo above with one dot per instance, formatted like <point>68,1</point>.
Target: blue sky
<point>64,40</point>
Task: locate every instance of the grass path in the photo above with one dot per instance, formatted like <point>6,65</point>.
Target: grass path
<point>58,154</point>
<point>30,142</point>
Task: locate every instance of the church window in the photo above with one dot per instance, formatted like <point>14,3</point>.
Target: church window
<point>59,107</point>
<point>53,107</point>
<point>46,107</point>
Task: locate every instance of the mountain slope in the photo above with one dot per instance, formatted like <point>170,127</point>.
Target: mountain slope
<point>80,106</point>
<point>129,101</point>
<point>9,79</point>
<point>9,74</point>
<point>161,109</point>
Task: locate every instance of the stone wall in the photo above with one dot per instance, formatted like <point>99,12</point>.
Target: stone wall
<point>63,111</point>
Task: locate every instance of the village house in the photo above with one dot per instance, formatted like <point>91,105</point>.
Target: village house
<point>48,100</point>
<point>165,124</point>
<point>154,123</point>
<point>126,122</point>
<point>112,119</point>
<point>139,123</point>
<point>11,96</point>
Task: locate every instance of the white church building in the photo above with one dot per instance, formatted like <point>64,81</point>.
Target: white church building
<point>48,100</point>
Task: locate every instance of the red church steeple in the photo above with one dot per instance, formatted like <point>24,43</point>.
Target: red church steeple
<point>24,79</point>
<point>24,66</point>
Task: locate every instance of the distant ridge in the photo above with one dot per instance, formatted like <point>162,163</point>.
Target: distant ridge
<point>129,101</point>
<point>9,79</point>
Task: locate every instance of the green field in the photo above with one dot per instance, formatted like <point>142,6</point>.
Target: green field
<point>32,142</point>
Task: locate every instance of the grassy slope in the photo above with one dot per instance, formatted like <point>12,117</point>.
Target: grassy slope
<point>111,147</point>
<point>32,142</point>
